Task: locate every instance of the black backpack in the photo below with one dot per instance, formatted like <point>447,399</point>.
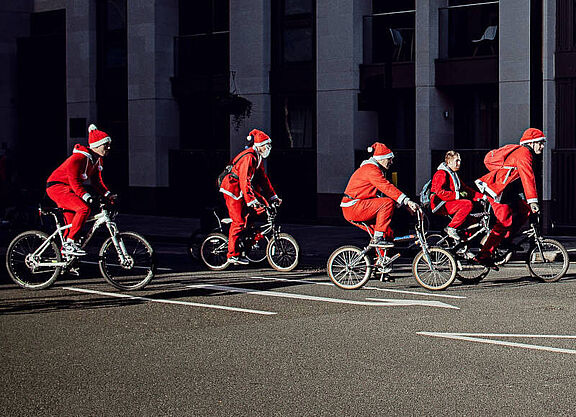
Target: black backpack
<point>228,170</point>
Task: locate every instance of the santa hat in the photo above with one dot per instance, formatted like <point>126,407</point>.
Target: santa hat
<point>260,138</point>
<point>97,137</point>
<point>532,135</point>
<point>381,151</point>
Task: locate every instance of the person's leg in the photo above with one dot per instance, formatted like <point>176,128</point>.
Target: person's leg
<point>237,212</point>
<point>459,210</point>
<point>78,212</point>
<point>503,213</point>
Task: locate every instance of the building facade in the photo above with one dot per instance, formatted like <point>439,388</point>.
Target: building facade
<point>179,84</point>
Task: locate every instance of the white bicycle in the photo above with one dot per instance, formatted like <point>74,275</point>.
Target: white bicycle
<point>34,259</point>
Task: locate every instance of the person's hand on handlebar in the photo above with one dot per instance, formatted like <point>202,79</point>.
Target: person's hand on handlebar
<point>276,202</point>
<point>259,208</point>
<point>535,208</point>
<point>412,205</point>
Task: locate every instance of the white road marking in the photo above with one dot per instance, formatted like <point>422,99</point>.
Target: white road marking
<point>303,281</point>
<point>484,338</point>
<point>186,303</point>
<point>379,303</point>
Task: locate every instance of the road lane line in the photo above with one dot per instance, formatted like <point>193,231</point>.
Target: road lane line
<point>303,281</point>
<point>466,337</point>
<point>379,303</point>
<point>186,303</point>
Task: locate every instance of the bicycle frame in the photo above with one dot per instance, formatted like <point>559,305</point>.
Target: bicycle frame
<point>269,227</point>
<point>104,217</point>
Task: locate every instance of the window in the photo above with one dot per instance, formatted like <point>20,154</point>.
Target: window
<point>476,118</point>
<point>294,121</point>
<point>294,31</point>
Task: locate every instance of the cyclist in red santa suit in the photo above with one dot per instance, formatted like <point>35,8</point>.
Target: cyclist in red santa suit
<point>242,188</point>
<point>511,191</point>
<point>66,185</point>
<point>369,197</point>
<point>450,196</point>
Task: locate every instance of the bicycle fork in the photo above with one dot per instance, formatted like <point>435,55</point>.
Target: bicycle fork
<point>125,259</point>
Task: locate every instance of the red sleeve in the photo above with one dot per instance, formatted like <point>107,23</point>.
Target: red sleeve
<point>264,184</point>
<point>246,171</point>
<point>438,186</point>
<point>96,180</point>
<point>378,180</point>
<point>524,165</point>
<point>75,168</point>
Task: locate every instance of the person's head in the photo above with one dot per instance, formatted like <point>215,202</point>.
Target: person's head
<point>382,154</point>
<point>535,139</point>
<point>453,160</point>
<point>262,142</point>
<point>98,141</point>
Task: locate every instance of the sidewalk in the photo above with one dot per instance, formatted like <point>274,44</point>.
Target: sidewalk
<point>316,241</point>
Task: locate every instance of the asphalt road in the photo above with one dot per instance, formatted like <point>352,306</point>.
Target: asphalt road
<point>255,342</point>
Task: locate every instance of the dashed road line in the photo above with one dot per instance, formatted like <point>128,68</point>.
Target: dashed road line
<point>186,303</point>
<point>378,303</point>
<point>485,338</point>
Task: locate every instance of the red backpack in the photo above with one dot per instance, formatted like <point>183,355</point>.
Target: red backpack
<point>496,158</point>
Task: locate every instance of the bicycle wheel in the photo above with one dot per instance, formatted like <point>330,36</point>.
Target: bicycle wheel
<point>436,239</point>
<point>21,267</point>
<point>283,252</point>
<point>439,274</point>
<point>214,251</point>
<point>256,252</point>
<point>348,268</point>
<point>550,265</point>
<point>136,270</point>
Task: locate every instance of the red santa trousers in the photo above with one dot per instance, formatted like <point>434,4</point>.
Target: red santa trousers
<point>458,209</point>
<point>77,211</point>
<point>238,212</point>
<point>377,212</point>
<point>508,222</point>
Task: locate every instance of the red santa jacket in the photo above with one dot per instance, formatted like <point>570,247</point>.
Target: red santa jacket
<point>517,165</point>
<point>248,179</point>
<point>369,181</point>
<point>446,186</point>
<point>77,169</point>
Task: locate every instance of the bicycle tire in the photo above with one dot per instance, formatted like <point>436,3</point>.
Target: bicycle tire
<point>134,275</point>
<point>283,252</point>
<point>555,269</point>
<point>256,252</point>
<point>214,251</point>
<point>348,268</point>
<point>442,276</point>
<point>20,247</point>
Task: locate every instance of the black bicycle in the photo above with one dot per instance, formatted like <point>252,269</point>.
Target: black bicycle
<point>257,242</point>
<point>546,259</point>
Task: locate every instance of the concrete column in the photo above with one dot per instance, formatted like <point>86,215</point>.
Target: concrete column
<point>152,111</point>
<point>15,23</point>
<point>514,69</point>
<point>341,127</point>
<point>81,63</point>
<point>433,130</point>
<point>250,60</point>
<point>549,98</point>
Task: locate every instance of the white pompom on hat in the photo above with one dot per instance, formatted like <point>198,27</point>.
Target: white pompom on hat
<point>381,151</point>
<point>260,138</point>
<point>97,137</point>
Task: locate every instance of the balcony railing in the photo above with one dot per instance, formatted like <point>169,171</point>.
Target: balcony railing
<point>389,37</point>
<point>468,30</point>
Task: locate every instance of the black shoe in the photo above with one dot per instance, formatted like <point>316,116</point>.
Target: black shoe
<point>238,260</point>
<point>486,261</point>
<point>380,242</point>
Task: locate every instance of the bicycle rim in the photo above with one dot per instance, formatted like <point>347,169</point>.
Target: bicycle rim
<point>214,251</point>
<point>554,263</point>
<point>283,252</point>
<point>440,274</point>
<point>21,272</point>
<point>348,268</point>
<point>139,268</point>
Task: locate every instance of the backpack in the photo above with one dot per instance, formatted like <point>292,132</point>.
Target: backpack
<point>425,194</point>
<point>228,170</point>
<point>496,158</point>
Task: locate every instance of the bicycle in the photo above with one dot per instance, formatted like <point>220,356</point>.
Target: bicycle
<point>546,259</point>
<point>257,242</point>
<point>350,267</point>
<point>34,260</point>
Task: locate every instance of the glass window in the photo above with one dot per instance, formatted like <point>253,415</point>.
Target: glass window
<point>476,118</point>
<point>298,44</point>
<point>387,6</point>
<point>294,7</point>
<point>294,121</point>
